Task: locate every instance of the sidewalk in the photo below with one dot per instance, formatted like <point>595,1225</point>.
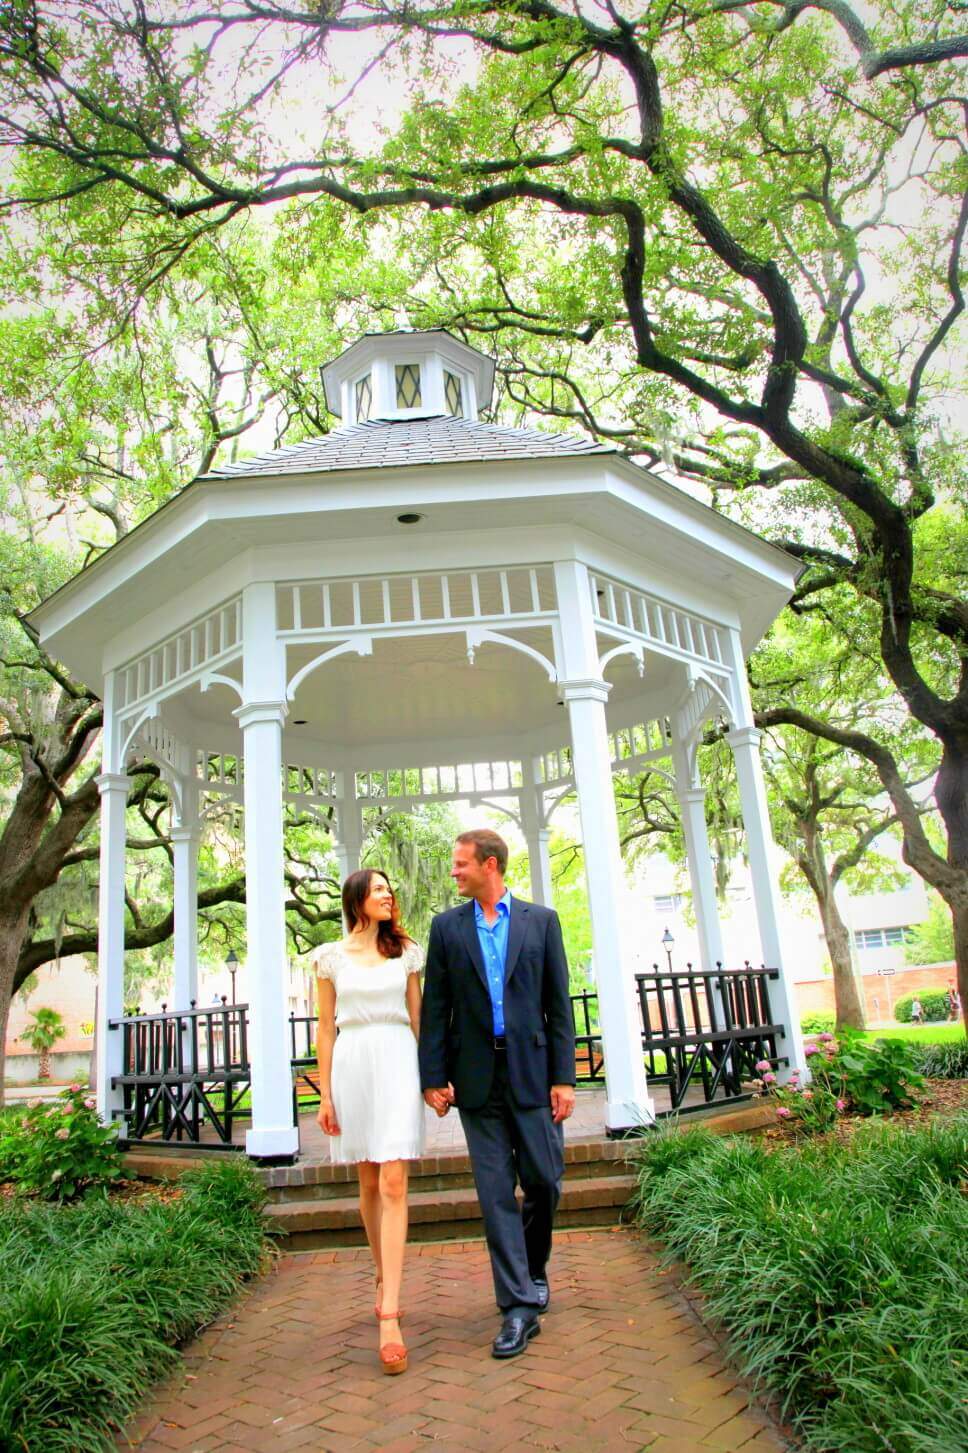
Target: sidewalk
<point>622,1363</point>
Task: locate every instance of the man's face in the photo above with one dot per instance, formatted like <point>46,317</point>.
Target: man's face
<point>470,876</point>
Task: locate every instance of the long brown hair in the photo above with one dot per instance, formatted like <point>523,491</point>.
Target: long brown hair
<point>390,937</point>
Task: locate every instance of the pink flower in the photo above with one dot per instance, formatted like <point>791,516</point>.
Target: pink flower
<point>52,1114</point>
<point>808,1094</point>
<point>841,1104</point>
<point>810,1049</point>
<point>825,1038</point>
<point>62,1134</point>
<point>769,1078</point>
<point>762,1064</point>
<point>783,1113</point>
<point>76,1089</point>
<point>34,1104</point>
<point>90,1103</point>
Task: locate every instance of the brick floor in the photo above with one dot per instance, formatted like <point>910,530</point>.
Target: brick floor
<point>623,1362</point>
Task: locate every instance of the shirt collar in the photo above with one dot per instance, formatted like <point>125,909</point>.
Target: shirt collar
<point>503,906</point>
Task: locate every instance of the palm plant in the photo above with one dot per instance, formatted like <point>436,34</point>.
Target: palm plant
<point>48,1027</point>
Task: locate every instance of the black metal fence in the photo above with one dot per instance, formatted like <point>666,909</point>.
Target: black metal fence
<point>188,1072</point>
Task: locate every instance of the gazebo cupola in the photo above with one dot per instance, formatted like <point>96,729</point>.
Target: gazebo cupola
<point>405,375</point>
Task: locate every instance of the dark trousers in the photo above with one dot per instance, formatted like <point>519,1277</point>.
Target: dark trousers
<point>510,1146</point>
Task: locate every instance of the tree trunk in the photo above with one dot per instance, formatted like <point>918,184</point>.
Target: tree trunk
<point>848,998</point>
<point>12,930</point>
<point>951,795</point>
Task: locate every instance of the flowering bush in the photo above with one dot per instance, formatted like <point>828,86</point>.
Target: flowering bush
<point>849,1074</point>
<point>57,1150</point>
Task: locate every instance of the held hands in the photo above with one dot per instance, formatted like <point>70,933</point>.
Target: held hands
<point>440,1099</point>
<point>562,1102</point>
<point>326,1117</point>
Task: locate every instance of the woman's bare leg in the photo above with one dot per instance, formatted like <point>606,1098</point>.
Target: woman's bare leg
<point>393,1240</point>
<point>371,1212</point>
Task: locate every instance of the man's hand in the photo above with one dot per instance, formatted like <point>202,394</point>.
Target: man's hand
<point>440,1099</point>
<point>562,1102</point>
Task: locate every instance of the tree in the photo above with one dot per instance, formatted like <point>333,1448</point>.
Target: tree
<point>933,941</point>
<point>47,1028</point>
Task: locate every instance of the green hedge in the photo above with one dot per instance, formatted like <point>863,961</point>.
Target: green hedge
<point>944,1061</point>
<point>934,1005</point>
<point>819,1023</point>
<point>95,1297</point>
<point>838,1273</point>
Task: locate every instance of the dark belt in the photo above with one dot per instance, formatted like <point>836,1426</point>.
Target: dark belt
<point>500,1041</point>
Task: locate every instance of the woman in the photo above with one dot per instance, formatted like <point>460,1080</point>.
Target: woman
<point>368,987</point>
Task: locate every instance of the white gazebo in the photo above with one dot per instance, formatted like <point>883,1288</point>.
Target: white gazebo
<point>420,606</point>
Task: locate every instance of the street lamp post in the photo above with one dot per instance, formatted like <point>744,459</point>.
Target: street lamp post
<point>232,964</point>
<point>668,943</point>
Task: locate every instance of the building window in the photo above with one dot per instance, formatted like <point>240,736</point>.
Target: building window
<point>452,394</point>
<point>364,398</point>
<point>408,386</point>
<point>872,938</point>
<point>668,902</point>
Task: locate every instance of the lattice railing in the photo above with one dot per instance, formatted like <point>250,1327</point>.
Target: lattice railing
<point>317,608</point>
<point>647,618</point>
<point>187,653</point>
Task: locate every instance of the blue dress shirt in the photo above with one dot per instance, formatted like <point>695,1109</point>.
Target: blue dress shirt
<point>493,940</point>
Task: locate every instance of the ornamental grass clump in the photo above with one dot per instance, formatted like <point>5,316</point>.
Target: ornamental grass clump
<point>838,1273</point>
<point>96,1296</point>
<point>58,1149</point>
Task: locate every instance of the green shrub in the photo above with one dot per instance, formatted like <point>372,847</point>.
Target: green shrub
<point>94,1298</point>
<point>934,1003</point>
<point>846,1074</point>
<point>945,1061</point>
<point>838,1273</point>
<point>818,1023</point>
<point>58,1149</point>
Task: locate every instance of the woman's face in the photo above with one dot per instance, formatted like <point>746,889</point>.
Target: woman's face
<point>379,901</point>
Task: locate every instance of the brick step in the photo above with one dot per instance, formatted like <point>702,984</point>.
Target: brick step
<point>293,1185</point>
<point>441,1215</point>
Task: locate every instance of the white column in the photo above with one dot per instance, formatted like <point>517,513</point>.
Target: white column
<point>745,743</point>
<point>261,718</point>
<point>185,838</point>
<point>114,788</point>
<point>692,810</point>
<point>349,842</point>
<point>584,692</point>
<point>536,835</point>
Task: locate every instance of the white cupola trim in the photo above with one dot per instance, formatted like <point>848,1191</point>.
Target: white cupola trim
<point>408,375</point>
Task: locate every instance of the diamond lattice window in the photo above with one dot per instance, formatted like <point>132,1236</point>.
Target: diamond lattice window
<point>408,386</point>
<point>452,394</point>
<point>364,398</point>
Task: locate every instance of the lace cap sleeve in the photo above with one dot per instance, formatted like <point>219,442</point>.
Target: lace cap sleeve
<point>413,958</point>
<point>324,960</point>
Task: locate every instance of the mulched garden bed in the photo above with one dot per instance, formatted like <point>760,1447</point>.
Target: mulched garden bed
<point>938,1097</point>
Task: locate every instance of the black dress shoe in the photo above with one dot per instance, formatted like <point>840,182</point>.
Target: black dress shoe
<point>544,1292</point>
<point>516,1332</point>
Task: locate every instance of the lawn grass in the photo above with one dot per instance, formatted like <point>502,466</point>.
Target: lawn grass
<point>837,1272</point>
<point>95,1297</point>
<point>949,1033</point>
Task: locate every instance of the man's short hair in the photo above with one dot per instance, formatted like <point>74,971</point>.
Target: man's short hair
<point>486,844</point>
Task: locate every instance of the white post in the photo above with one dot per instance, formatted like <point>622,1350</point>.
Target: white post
<point>113,787</point>
<point>349,843</point>
<point>745,743</point>
<point>536,835</point>
<point>692,809</point>
<point>585,693</point>
<point>273,1134</point>
<point>185,837</point>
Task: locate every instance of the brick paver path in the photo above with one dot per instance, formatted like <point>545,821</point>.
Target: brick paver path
<point>623,1362</point>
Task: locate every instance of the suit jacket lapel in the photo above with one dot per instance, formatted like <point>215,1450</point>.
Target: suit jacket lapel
<point>472,943</point>
<point>517,928</point>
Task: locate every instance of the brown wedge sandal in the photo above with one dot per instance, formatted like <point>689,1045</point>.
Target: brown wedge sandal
<point>393,1357</point>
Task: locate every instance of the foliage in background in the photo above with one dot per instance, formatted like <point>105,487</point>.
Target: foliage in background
<point>59,1149</point>
<point>933,940</point>
<point>836,1272</point>
<point>95,1298</point>
<point>943,1061</point>
<point>47,1028</point>
<point>934,1005</point>
<point>819,1023</point>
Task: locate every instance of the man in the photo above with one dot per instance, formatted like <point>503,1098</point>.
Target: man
<point>497,1039</point>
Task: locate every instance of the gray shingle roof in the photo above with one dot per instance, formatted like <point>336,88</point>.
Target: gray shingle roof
<point>439,440</point>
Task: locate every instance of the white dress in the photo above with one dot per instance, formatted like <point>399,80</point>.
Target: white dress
<point>375,1076</point>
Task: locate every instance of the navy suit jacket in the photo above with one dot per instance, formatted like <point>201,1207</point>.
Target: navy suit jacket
<point>456,1020</point>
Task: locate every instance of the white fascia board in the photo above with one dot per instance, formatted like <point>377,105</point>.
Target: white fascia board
<point>606,558</point>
